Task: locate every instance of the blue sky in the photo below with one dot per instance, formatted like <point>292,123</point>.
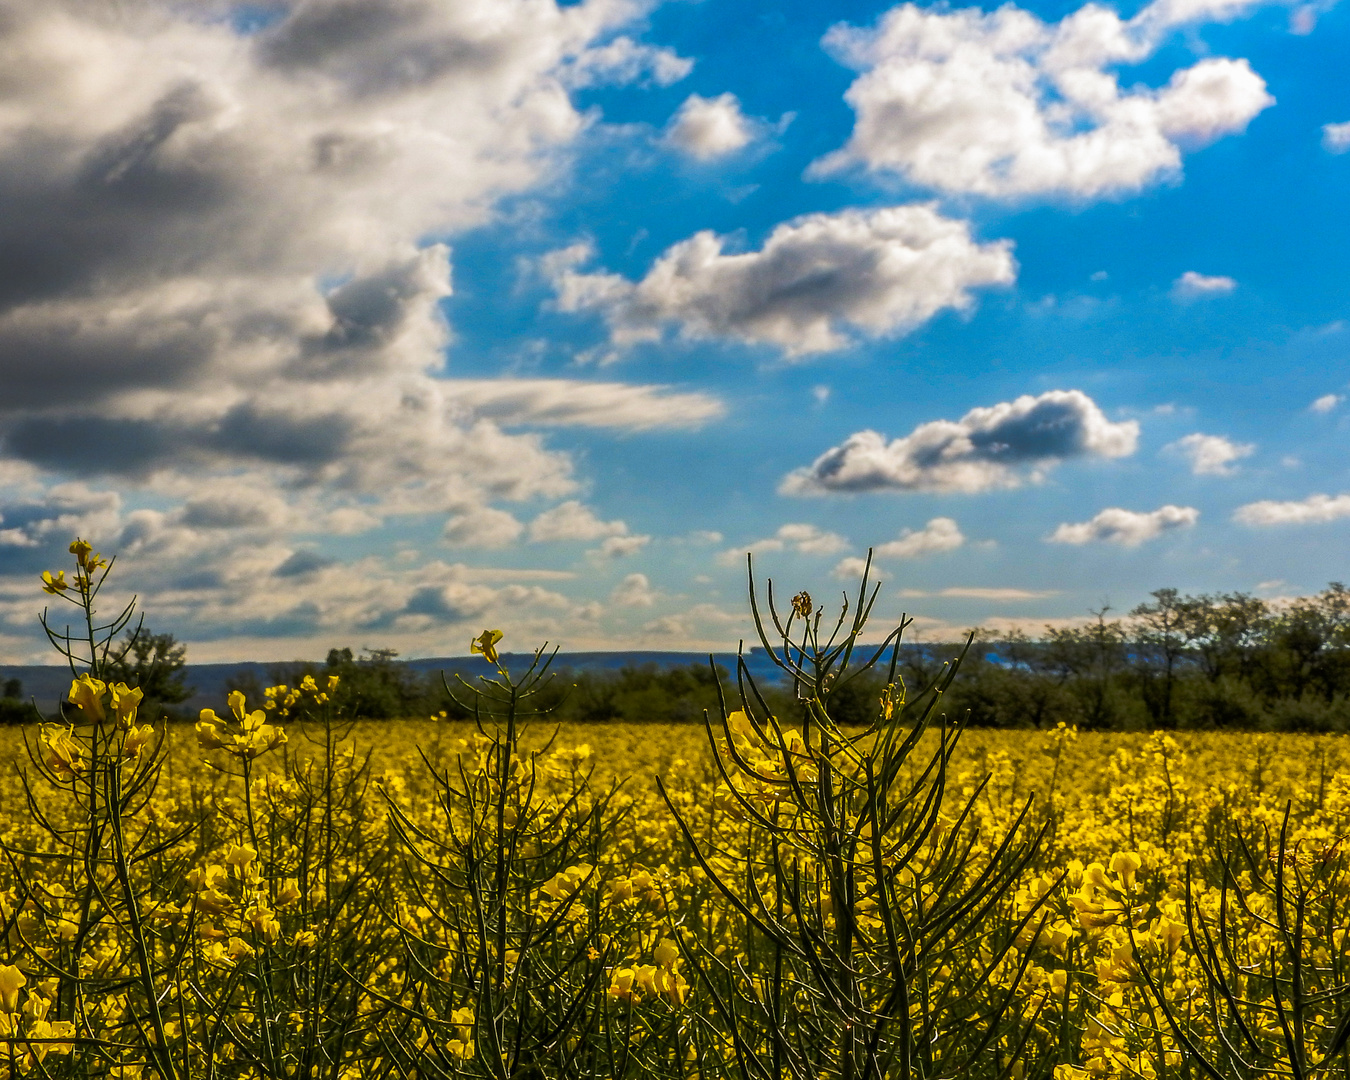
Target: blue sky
<point>378,324</point>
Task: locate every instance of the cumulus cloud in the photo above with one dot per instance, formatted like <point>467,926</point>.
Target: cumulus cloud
<point>1210,455</point>
<point>633,591</point>
<point>999,446</point>
<point>799,537</point>
<point>1128,528</point>
<point>64,511</point>
<point>1003,104</point>
<point>708,128</point>
<point>1326,403</point>
<point>876,272</point>
<point>1336,137</point>
<point>940,534</point>
<point>851,567</point>
<point>620,547</point>
<point>572,520</point>
<point>700,623</point>
<point>1314,510</point>
<point>1193,286</point>
<point>482,527</point>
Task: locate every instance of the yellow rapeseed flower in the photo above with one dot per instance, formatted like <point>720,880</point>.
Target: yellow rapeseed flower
<point>54,584</point>
<point>11,982</point>
<point>87,692</point>
<point>65,755</point>
<point>208,733</point>
<point>125,701</point>
<point>486,644</point>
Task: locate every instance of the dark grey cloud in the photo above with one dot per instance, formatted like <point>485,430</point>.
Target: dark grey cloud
<point>378,47</point>
<point>301,563</point>
<point>251,430</point>
<point>87,444</point>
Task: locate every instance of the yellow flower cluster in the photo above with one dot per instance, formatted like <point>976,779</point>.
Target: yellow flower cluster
<point>248,736</point>
<point>290,866</point>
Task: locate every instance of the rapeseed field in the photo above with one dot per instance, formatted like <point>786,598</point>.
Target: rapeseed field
<point>284,892</point>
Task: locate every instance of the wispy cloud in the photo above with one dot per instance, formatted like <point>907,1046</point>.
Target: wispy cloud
<point>799,537</point>
<point>1314,510</point>
<point>976,593</point>
<point>1336,137</point>
<point>1195,286</point>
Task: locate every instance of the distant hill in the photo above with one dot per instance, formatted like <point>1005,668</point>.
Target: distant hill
<point>47,683</point>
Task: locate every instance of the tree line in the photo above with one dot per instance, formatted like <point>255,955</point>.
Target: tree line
<point>1226,660</point>
<point>1199,662</point>
<point>1207,661</point>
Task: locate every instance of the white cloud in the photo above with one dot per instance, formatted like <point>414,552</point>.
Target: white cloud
<point>233,589</point>
<point>1129,528</point>
<point>572,521</point>
<point>482,527</point>
<point>1210,455</point>
<point>702,623</point>
<point>620,547</point>
<point>1315,509</point>
<point>1193,286</point>
<point>801,538</point>
<point>1336,137</point>
<point>1003,104</point>
<point>571,402</point>
<point>623,61</point>
<point>940,534</point>
<point>851,567</point>
<point>993,447</point>
<point>1326,403</point>
<point>878,272</point>
<point>60,514</point>
<point>633,591</point>
<point>708,128</point>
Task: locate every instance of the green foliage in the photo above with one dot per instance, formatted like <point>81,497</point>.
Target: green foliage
<point>644,693</point>
<point>1227,660</point>
<point>13,709</point>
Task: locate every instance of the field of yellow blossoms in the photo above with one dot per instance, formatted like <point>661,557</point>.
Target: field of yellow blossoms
<point>281,892</point>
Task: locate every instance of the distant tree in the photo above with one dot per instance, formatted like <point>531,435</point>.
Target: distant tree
<point>153,662</point>
<point>1161,637</point>
<point>1089,659</point>
<point>12,710</point>
<point>1306,647</point>
<point>374,685</point>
